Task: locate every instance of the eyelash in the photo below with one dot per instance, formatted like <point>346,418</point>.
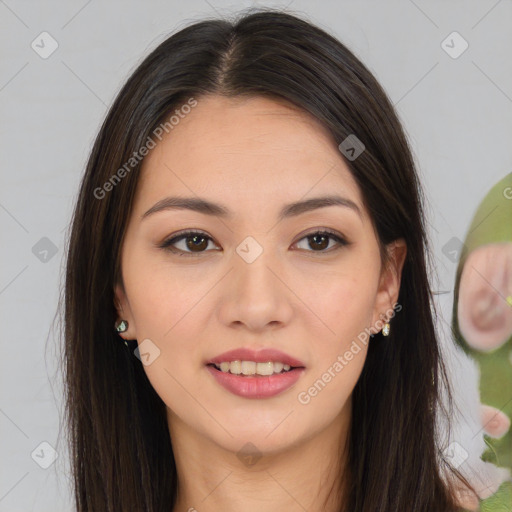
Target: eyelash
<point>167,244</point>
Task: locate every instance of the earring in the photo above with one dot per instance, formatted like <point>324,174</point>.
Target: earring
<point>122,326</point>
<point>386,329</point>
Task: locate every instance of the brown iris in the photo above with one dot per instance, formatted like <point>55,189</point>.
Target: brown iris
<point>320,244</point>
<point>198,242</point>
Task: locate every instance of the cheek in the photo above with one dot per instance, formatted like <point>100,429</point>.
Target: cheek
<point>330,384</point>
<point>344,300</point>
<point>162,296</point>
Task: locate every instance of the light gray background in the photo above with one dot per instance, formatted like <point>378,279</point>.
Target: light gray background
<point>457,113</point>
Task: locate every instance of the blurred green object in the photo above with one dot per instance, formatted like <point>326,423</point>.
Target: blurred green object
<point>491,227</point>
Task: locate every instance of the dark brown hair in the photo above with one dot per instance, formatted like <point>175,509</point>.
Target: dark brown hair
<point>122,458</point>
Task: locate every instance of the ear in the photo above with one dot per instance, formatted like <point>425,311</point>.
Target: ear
<point>485,297</point>
<point>389,285</point>
<point>124,312</point>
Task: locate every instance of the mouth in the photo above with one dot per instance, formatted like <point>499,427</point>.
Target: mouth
<point>249,374</point>
<point>255,385</point>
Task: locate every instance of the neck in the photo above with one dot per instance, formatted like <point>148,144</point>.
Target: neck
<point>308,476</point>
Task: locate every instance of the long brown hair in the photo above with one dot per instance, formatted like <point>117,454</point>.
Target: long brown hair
<point>121,453</point>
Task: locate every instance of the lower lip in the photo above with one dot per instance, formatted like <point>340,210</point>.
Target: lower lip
<point>256,386</point>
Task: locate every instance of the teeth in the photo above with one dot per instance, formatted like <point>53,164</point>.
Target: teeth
<point>248,367</point>
<point>278,367</point>
<point>265,368</point>
<point>235,367</point>
<point>252,368</point>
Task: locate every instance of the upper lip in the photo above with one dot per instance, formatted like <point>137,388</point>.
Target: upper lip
<point>260,356</point>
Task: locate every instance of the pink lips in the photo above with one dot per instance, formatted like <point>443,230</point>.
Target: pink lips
<point>256,386</point>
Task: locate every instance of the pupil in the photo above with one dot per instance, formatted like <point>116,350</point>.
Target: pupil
<point>323,237</point>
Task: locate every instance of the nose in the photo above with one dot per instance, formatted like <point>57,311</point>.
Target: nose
<point>258,296</point>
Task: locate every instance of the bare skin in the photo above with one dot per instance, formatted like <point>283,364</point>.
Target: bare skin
<point>306,299</point>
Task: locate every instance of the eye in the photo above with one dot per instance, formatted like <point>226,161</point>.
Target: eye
<point>196,242</point>
<point>319,241</point>
<point>193,242</point>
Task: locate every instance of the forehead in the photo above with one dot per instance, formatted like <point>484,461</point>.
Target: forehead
<point>253,150</point>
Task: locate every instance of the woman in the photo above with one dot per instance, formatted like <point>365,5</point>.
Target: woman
<point>250,223</point>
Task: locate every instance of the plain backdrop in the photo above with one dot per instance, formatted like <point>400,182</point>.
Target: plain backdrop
<point>456,108</point>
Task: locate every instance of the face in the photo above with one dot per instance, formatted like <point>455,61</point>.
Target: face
<point>300,282</point>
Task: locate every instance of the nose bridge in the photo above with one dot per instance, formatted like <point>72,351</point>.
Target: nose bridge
<point>257,297</point>
<point>252,267</point>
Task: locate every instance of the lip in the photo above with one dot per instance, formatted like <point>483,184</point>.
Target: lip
<point>260,356</point>
<point>256,386</point>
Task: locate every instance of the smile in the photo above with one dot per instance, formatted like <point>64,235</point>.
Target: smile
<point>252,367</point>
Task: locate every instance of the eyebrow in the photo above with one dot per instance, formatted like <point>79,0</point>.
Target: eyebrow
<point>209,208</point>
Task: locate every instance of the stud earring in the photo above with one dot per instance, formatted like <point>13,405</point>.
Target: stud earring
<point>386,329</point>
<point>122,326</point>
